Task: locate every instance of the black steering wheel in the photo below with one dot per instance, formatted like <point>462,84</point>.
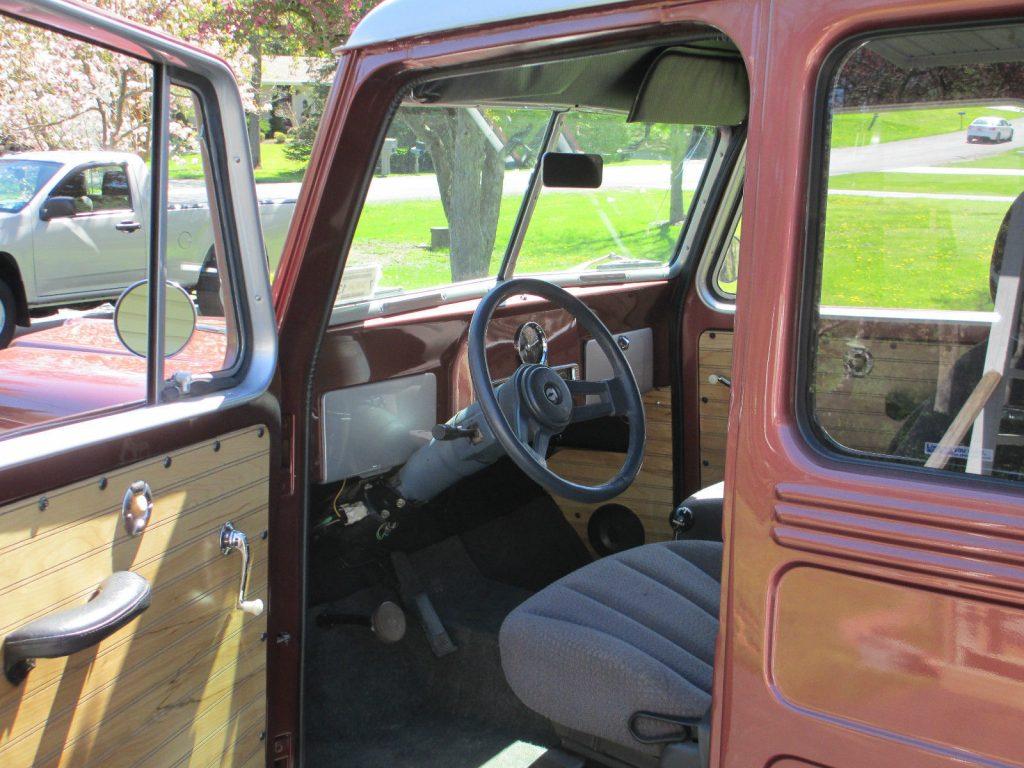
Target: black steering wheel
<point>536,404</point>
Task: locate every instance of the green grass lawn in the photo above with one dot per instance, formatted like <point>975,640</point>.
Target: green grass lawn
<point>900,253</point>
<point>1013,158</point>
<point>275,166</point>
<point>567,230</point>
<point>920,254</point>
<point>857,129</point>
<point>1009,186</point>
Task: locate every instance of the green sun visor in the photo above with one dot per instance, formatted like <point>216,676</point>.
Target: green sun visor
<point>686,87</point>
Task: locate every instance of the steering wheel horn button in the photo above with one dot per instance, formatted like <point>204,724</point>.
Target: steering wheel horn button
<point>546,396</point>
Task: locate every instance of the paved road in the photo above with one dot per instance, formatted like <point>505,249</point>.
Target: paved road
<point>424,186</point>
<point>928,151</point>
<point>931,150</point>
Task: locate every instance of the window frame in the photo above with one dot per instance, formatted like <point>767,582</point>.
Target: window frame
<point>728,233</point>
<point>729,212</point>
<point>809,311</point>
<point>247,289</point>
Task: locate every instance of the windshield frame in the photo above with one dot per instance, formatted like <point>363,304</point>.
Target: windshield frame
<point>26,161</point>
<point>385,304</point>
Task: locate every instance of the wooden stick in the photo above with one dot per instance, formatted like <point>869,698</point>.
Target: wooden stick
<point>964,419</point>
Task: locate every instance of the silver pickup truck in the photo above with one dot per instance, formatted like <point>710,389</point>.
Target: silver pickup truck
<point>74,230</point>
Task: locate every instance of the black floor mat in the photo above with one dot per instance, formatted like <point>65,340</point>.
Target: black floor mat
<point>512,530</point>
<point>371,704</point>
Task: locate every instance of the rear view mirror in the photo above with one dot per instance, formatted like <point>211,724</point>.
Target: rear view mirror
<point>131,318</point>
<point>57,208</point>
<point>571,170</point>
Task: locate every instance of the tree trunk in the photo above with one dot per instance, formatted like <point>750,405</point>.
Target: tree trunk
<point>679,143</point>
<point>470,176</point>
<point>253,118</point>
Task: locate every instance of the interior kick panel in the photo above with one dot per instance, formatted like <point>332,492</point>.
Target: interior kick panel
<point>185,682</point>
<point>434,341</point>
<point>650,495</point>
<point>372,428</point>
<point>870,375</point>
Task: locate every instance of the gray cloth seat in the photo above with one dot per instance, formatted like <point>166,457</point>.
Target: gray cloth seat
<point>632,632</point>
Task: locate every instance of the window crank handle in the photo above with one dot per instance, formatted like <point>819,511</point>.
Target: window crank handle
<point>232,539</point>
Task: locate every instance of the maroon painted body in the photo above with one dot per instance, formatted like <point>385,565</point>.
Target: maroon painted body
<point>81,366</point>
<point>858,628</point>
<point>867,618</point>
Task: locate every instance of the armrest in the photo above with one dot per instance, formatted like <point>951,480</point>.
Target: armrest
<point>120,598</point>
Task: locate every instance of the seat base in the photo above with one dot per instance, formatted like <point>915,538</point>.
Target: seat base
<point>632,632</point>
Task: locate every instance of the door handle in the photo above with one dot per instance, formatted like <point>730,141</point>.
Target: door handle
<point>120,598</point>
<point>232,539</point>
<point>128,226</point>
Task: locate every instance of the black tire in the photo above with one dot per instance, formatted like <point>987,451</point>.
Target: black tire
<point>8,314</point>
<point>208,288</point>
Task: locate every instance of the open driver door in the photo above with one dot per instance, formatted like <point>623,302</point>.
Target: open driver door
<point>135,534</point>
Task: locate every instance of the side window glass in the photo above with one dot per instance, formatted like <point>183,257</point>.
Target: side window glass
<point>76,191</point>
<point>74,186</point>
<point>107,187</point>
<point>915,354</point>
<point>727,268</point>
<point>196,257</point>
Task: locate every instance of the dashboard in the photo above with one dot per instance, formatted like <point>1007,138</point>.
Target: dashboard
<point>382,384</point>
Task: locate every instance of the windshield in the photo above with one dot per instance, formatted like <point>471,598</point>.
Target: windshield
<point>455,195</point>
<point>20,180</point>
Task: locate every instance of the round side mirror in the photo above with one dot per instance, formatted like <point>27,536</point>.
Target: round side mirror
<point>131,318</point>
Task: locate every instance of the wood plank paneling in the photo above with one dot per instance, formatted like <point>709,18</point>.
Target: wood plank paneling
<point>853,410</point>
<point>714,357</point>
<point>184,683</point>
<point>860,412</point>
<point>650,495</point>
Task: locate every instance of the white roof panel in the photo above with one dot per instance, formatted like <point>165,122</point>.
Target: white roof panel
<point>395,19</point>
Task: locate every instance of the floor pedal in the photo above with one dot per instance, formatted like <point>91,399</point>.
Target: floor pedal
<point>416,597</point>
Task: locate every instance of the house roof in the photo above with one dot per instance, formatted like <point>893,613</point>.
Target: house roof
<point>290,70</point>
<point>396,19</point>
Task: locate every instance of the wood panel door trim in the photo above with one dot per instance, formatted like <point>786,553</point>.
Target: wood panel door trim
<point>184,683</point>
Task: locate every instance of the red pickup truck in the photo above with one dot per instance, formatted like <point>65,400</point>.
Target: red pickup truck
<point>660,407</point>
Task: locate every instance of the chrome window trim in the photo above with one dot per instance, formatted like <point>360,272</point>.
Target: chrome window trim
<point>720,228</point>
<point>254,285</point>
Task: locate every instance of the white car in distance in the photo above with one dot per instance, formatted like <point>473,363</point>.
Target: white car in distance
<point>991,129</point>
